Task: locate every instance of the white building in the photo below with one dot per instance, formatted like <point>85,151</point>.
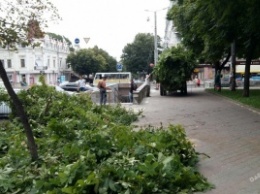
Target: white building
<point>48,59</point>
<point>171,37</point>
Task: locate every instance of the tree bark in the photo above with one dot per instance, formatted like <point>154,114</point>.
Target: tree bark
<point>217,69</point>
<point>249,56</point>
<point>21,113</point>
<point>246,77</point>
<point>225,61</point>
<point>233,65</point>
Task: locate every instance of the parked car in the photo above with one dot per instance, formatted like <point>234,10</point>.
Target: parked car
<point>5,109</point>
<point>225,81</point>
<point>73,86</point>
<point>59,89</point>
<point>255,77</point>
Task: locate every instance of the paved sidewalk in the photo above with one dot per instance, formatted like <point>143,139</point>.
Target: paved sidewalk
<point>226,131</point>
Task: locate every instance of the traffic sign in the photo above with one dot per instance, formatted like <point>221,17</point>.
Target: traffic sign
<point>119,67</point>
<point>76,40</point>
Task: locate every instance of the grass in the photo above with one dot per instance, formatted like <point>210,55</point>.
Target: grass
<point>253,100</point>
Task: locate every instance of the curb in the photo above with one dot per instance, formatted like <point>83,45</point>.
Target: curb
<point>252,109</point>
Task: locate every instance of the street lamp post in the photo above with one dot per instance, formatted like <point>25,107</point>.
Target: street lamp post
<point>155,39</point>
<point>155,34</point>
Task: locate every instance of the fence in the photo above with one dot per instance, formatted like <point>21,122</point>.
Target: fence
<point>119,94</point>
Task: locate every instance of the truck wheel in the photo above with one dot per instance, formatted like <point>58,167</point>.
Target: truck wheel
<point>185,89</point>
<point>162,91</point>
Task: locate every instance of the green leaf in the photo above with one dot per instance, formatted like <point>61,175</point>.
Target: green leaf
<point>68,190</point>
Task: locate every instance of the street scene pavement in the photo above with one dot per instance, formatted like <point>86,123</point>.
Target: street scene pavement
<point>226,131</point>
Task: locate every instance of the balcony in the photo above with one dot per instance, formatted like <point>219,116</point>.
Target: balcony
<point>40,68</point>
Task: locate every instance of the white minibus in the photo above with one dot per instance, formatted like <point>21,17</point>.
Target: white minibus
<point>113,77</point>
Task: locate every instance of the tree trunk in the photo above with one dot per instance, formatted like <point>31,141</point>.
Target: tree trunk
<point>249,55</point>
<point>225,61</point>
<point>233,65</point>
<point>246,78</point>
<point>218,68</point>
<point>21,113</point>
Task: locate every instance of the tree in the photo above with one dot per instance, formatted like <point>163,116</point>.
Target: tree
<point>92,60</point>
<point>248,36</point>
<point>21,21</point>
<point>192,22</point>
<point>218,26</point>
<point>138,56</point>
<point>111,62</point>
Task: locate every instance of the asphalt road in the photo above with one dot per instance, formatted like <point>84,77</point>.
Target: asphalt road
<point>226,131</point>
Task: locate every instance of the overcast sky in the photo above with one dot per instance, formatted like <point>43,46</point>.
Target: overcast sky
<point>110,24</point>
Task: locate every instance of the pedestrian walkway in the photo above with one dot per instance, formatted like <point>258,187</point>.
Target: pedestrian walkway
<point>226,131</point>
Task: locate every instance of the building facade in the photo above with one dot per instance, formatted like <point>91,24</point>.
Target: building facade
<point>28,63</point>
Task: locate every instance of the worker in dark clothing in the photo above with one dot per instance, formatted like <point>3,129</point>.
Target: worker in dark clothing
<point>133,87</point>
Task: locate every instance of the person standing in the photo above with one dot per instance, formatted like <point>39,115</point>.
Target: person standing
<point>23,81</point>
<point>148,83</point>
<point>90,78</point>
<point>133,87</point>
<point>103,90</point>
<point>198,82</point>
<point>195,81</point>
<point>81,84</point>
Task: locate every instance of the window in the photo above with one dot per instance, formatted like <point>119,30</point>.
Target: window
<point>60,62</point>
<point>113,77</point>
<point>54,62</point>
<point>22,62</point>
<point>10,77</point>
<point>9,63</point>
<point>48,62</point>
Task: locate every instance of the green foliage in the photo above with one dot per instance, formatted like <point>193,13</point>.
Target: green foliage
<point>60,38</point>
<point>110,62</point>
<point>87,61</point>
<point>86,148</point>
<point>208,29</point>
<point>138,55</point>
<point>201,28</point>
<point>3,95</point>
<point>174,67</point>
<point>23,20</point>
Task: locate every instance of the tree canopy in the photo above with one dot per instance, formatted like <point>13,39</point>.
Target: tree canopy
<point>21,20</point>
<point>92,60</point>
<point>208,28</point>
<point>138,56</point>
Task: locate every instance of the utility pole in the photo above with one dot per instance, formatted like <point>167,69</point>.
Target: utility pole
<point>155,35</point>
<point>155,39</point>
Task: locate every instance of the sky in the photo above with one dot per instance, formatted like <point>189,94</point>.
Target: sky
<point>110,24</point>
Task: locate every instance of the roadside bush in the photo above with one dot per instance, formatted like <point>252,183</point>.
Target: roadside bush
<point>86,148</point>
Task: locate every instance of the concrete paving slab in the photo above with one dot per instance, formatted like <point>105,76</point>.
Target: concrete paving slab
<point>226,131</point>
